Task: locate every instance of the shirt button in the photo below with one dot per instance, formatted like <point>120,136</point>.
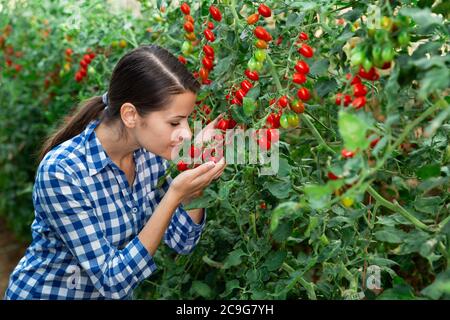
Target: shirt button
<point>134,210</point>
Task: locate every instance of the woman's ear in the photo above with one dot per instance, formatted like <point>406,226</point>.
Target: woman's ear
<point>129,115</point>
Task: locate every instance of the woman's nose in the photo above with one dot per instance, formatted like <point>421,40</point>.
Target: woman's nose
<point>184,133</point>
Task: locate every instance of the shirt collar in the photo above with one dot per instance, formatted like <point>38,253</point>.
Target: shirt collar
<point>96,156</point>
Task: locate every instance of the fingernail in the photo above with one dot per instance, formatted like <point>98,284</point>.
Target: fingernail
<point>211,164</point>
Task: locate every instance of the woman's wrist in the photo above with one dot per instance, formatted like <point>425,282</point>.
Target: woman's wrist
<point>174,196</point>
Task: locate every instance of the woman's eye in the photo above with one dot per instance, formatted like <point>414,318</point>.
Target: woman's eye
<point>174,124</point>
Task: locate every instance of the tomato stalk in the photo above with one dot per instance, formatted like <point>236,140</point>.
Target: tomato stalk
<point>397,208</point>
<point>299,278</point>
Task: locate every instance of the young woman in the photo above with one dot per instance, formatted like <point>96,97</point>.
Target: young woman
<point>99,211</point>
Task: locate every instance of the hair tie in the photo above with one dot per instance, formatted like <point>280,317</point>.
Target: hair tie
<point>105,99</point>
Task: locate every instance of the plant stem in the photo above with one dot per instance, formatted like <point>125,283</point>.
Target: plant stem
<point>397,208</point>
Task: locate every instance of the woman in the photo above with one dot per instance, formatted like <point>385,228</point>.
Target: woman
<point>100,213</point>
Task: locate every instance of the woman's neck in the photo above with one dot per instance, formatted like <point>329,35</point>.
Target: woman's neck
<point>119,149</point>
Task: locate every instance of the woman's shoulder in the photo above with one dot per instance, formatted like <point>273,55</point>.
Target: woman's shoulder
<point>68,155</point>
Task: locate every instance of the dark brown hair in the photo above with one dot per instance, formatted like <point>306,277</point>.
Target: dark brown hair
<point>146,77</point>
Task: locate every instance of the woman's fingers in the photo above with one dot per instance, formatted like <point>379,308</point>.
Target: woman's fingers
<point>202,169</point>
<point>206,177</point>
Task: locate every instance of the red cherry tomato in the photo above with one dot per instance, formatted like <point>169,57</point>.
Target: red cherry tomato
<point>185,8</point>
<point>209,35</point>
<point>359,90</point>
<point>347,154</point>
<point>332,176</point>
<point>302,67</point>
<point>215,13</point>
<point>189,27</point>
<point>182,59</point>
<point>303,36</point>
<point>283,102</point>
<point>299,78</point>
<point>264,10</point>
<point>195,152</point>
<point>181,166</point>
<point>262,34</point>
<point>359,102</point>
<point>252,19</point>
<point>303,94</point>
<point>252,75</point>
<point>246,85</point>
<point>223,124</point>
<point>209,51</point>
<point>240,94</point>
<point>306,51</point>
<point>208,63</point>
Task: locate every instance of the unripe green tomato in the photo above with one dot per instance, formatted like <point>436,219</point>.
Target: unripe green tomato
<point>284,121</point>
<point>186,48</point>
<point>404,21</point>
<point>357,58</point>
<point>260,55</point>
<point>293,120</point>
<point>252,64</point>
<point>388,53</point>
<point>386,23</point>
<point>376,52</point>
<point>403,38</point>
<point>381,36</point>
<point>259,66</point>
<point>91,70</point>
<point>367,64</point>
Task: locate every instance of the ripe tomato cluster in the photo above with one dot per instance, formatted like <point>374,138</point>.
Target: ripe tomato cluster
<point>198,156</point>
<point>9,53</point>
<point>358,97</point>
<point>297,106</point>
<point>84,64</point>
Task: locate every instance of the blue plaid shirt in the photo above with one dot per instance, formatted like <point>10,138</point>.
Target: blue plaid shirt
<point>87,218</point>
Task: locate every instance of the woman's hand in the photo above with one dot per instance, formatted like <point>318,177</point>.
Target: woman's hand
<point>190,183</point>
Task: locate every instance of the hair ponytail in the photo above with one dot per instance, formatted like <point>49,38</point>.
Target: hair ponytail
<point>74,124</point>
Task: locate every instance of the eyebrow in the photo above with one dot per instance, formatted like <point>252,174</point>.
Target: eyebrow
<point>178,117</point>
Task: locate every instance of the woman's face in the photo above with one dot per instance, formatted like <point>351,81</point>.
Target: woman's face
<point>162,132</point>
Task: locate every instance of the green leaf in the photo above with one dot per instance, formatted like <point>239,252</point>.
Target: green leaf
<point>284,168</point>
<point>280,189</point>
<point>317,195</point>
<point>399,292</point>
<point>283,209</point>
<point>434,80</point>
<point>353,130</point>
<point>249,106</point>
<point>428,205</point>
<point>229,287</point>
<point>294,19</point>
<point>324,87</point>
<point>424,18</point>
<point>201,289</point>
<point>234,259</point>
<point>428,171</point>
<point>390,235</point>
<point>239,116</point>
<point>275,259</point>
<point>319,68</point>
<point>440,288</point>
